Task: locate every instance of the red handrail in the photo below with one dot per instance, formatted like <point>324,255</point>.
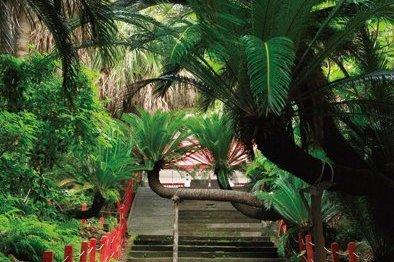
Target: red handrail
<point>111,244</point>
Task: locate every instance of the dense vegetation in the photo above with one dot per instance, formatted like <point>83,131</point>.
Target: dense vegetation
<point>302,90</point>
<point>52,156</point>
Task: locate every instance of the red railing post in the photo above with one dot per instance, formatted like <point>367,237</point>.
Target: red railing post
<point>84,207</point>
<point>68,253</point>
<point>111,238</point>
<point>47,256</point>
<point>101,222</point>
<point>335,250</point>
<point>92,250</point>
<point>84,251</point>
<point>351,249</point>
<point>301,244</point>
<point>309,248</point>
<point>103,251</point>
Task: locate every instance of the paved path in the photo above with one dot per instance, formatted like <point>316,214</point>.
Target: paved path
<point>150,214</point>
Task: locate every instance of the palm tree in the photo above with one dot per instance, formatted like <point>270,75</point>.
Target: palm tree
<point>288,199</point>
<point>225,155</point>
<point>102,173</point>
<point>159,141</point>
<point>266,61</point>
<point>62,19</point>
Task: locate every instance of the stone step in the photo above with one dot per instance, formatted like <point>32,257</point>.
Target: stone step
<point>205,243</point>
<point>217,214</point>
<point>185,254</point>
<point>215,224</point>
<point>197,259</point>
<point>218,220</point>
<point>221,234</point>
<point>203,230</point>
<point>194,248</point>
<point>204,238</point>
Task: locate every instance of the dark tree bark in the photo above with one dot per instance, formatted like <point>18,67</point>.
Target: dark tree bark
<point>199,194</point>
<point>279,147</point>
<point>93,211</point>
<point>260,213</point>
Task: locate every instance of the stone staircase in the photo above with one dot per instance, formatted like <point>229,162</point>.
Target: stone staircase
<point>209,231</point>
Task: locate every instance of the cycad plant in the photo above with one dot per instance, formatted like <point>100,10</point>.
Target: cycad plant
<point>158,137</point>
<point>216,138</point>
<point>225,154</point>
<point>288,198</point>
<point>102,173</point>
<point>270,63</point>
<point>159,141</point>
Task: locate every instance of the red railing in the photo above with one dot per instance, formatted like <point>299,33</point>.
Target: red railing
<point>307,248</point>
<point>110,245</point>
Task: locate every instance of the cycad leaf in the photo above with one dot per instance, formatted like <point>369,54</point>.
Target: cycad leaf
<point>269,67</point>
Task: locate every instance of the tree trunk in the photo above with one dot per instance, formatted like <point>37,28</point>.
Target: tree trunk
<point>199,194</point>
<point>260,213</point>
<point>280,148</point>
<point>23,38</point>
<point>317,223</point>
<point>175,199</point>
<point>93,211</point>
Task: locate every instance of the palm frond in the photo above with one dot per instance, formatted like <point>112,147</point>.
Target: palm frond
<point>351,27</point>
<point>159,136</point>
<point>269,68</point>
<point>264,19</point>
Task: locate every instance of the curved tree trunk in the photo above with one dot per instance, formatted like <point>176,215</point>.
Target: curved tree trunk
<point>280,148</point>
<point>260,213</point>
<point>199,194</point>
<point>93,211</point>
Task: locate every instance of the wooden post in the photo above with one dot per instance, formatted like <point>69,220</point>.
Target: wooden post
<point>335,250</point>
<point>351,249</point>
<point>309,248</point>
<point>103,251</point>
<point>92,249</point>
<point>47,256</point>
<point>84,251</point>
<point>68,253</point>
<point>317,223</point>
<point>176,230</point>
<point>84,207</point>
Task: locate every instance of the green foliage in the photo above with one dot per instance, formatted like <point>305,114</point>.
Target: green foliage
<point>216,138</point>
<point>269,67</point>
<point>45,141</point>
<point>25,236</point>
<point>157,137</point>
<point>216,134</point>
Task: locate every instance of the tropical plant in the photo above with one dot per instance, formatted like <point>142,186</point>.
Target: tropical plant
<point>216,137</point>
<point>161,136</point>
<point>159,141</point>
<point>100,174</point>
<point>266,61</point>
<point>287,198</point>
<point>224,154</point>
<point>93,19</point>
